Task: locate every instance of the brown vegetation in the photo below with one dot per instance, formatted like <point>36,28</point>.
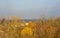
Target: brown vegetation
<point>17,28</point>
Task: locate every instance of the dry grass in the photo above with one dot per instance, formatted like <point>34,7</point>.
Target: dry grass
<point>38,29</point>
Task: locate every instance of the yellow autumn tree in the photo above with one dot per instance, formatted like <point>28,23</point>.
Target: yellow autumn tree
<point>27,31</point>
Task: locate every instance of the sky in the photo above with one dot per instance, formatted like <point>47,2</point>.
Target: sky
<point>30,9</point>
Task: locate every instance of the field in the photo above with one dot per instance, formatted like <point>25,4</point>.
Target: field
<point>42,28</point>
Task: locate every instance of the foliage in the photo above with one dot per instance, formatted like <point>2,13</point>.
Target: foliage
<point>42,28</point>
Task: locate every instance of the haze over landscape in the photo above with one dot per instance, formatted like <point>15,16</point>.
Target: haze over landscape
<point>29,18</point>
<point>30,9</point>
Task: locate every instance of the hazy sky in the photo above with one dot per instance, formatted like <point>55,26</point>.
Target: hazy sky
<point>29,9</point>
